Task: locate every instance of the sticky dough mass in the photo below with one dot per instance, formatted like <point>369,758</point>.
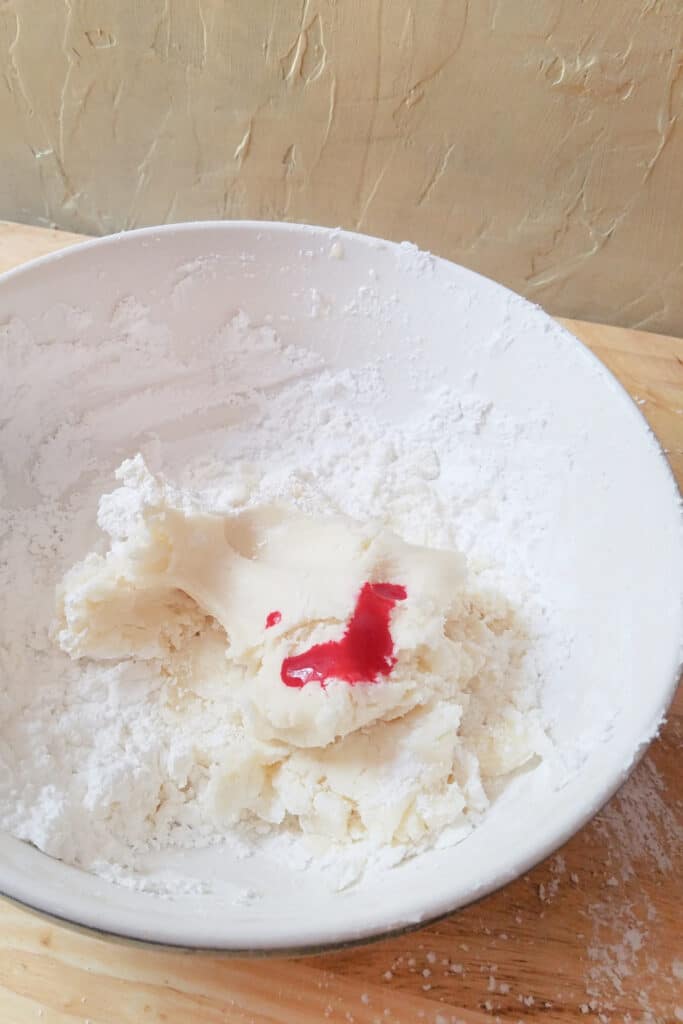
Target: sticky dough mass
<point>398,760</point>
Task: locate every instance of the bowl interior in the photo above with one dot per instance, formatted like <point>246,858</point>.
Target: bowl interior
<point>594,528</point>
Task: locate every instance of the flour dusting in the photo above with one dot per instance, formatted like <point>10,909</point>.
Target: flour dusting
<point>239,421</point>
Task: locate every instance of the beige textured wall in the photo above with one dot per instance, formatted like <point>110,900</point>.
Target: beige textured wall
<point>539,141</point>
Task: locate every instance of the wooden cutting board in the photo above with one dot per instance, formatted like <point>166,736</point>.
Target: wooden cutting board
<point>594,934</point>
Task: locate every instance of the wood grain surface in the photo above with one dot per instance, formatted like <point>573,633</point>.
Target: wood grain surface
<point>594,934</point>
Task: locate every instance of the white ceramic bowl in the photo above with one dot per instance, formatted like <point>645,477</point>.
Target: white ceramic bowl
<point>611,551</point>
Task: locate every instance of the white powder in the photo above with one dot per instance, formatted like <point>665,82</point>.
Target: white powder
<point>81,745</point>
<point>643,837</point>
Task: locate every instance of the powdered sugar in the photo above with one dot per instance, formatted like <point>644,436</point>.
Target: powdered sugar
<point>251,421</point>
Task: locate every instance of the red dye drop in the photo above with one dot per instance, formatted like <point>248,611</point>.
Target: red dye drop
<point>273,619</point>
<point>365,651</point>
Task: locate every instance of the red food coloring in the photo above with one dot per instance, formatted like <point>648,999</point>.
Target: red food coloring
<point>366,650</point>
<point>273,619</point>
